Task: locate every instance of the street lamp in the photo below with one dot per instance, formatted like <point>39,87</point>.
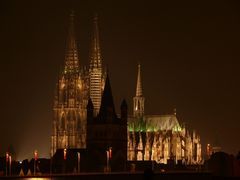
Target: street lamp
<point>10,164</point>
<point>64,158</point>
<point>107,161</point>
<point>7,159</point>
<point>109,157</point>
<point>35,160</point>
<point>65,154</point>
<point>78,156</point>
<point>110,153</point>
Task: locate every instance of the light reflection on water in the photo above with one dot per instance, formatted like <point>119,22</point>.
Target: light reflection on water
<point>37,178</point>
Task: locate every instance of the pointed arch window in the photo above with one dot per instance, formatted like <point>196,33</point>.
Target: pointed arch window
<point>139,105</point>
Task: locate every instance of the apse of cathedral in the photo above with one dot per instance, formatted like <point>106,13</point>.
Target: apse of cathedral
<point>159,137</point>
<point>85,117</point>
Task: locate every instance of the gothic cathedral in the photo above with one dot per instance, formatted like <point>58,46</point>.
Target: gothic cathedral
<point>73,89</point>
<point>85,117</point>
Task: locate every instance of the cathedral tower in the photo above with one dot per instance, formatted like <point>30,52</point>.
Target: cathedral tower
<point>69,123</point>
<point>96,78</point>
<point>138,100</point>
<point>107,132</point>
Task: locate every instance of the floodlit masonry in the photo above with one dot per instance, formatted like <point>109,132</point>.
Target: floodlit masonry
<point>159,137</point>
<point>73,89</point>
<point>150,137</point>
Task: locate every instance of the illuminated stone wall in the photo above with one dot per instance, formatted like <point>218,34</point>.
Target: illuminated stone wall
<point>73,89</point>
<point>163,145</point>
<point>159,137</point>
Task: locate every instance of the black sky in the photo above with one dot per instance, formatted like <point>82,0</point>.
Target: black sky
<point>189,52</point>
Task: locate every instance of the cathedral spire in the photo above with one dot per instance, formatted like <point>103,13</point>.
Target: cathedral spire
<point>96,78</point>
<point>138,100</point>
<point>107,105</point>
<point>95,54</point>
<point>71,97</point>
<point>71,55</point>
<point>139,83</point>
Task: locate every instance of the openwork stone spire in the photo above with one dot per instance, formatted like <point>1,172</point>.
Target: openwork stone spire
<point>95,54</point>
<point>69,127</point>
<point>96,78</point>
<point>138,100</point>
<point>71,55</point>
<point>139,83</point>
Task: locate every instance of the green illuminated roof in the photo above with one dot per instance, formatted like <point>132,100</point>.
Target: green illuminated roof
<point>154,123</point>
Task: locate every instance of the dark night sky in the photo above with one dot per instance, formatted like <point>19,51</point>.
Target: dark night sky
<point>189,52</point>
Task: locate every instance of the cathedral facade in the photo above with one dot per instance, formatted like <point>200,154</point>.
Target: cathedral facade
<point>73,89</point>
<point>159,137</point>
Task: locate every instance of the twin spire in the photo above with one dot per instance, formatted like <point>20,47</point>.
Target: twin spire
<point>71,55</point>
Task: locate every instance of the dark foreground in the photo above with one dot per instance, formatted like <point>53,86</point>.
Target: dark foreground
<point>124,176</point>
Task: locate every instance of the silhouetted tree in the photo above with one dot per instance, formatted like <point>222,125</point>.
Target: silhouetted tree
<point>25,166</point>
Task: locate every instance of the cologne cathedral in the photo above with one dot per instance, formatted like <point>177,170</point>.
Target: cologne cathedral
<point>79,91</point>
<point>73,89</point>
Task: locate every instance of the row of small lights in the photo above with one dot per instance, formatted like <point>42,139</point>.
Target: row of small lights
<point>9,159</point>
<point>9,162</point>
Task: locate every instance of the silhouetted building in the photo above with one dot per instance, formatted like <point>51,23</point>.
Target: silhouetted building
<point>221,164</point>
<point>107,134</point>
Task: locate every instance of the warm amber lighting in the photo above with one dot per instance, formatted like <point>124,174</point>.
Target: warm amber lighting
<point>79,156</point>
<point>65,154</point>
<point>7,156</point>
<point>39,178</point>
<point>110,152</point>
<point>35,155</point>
